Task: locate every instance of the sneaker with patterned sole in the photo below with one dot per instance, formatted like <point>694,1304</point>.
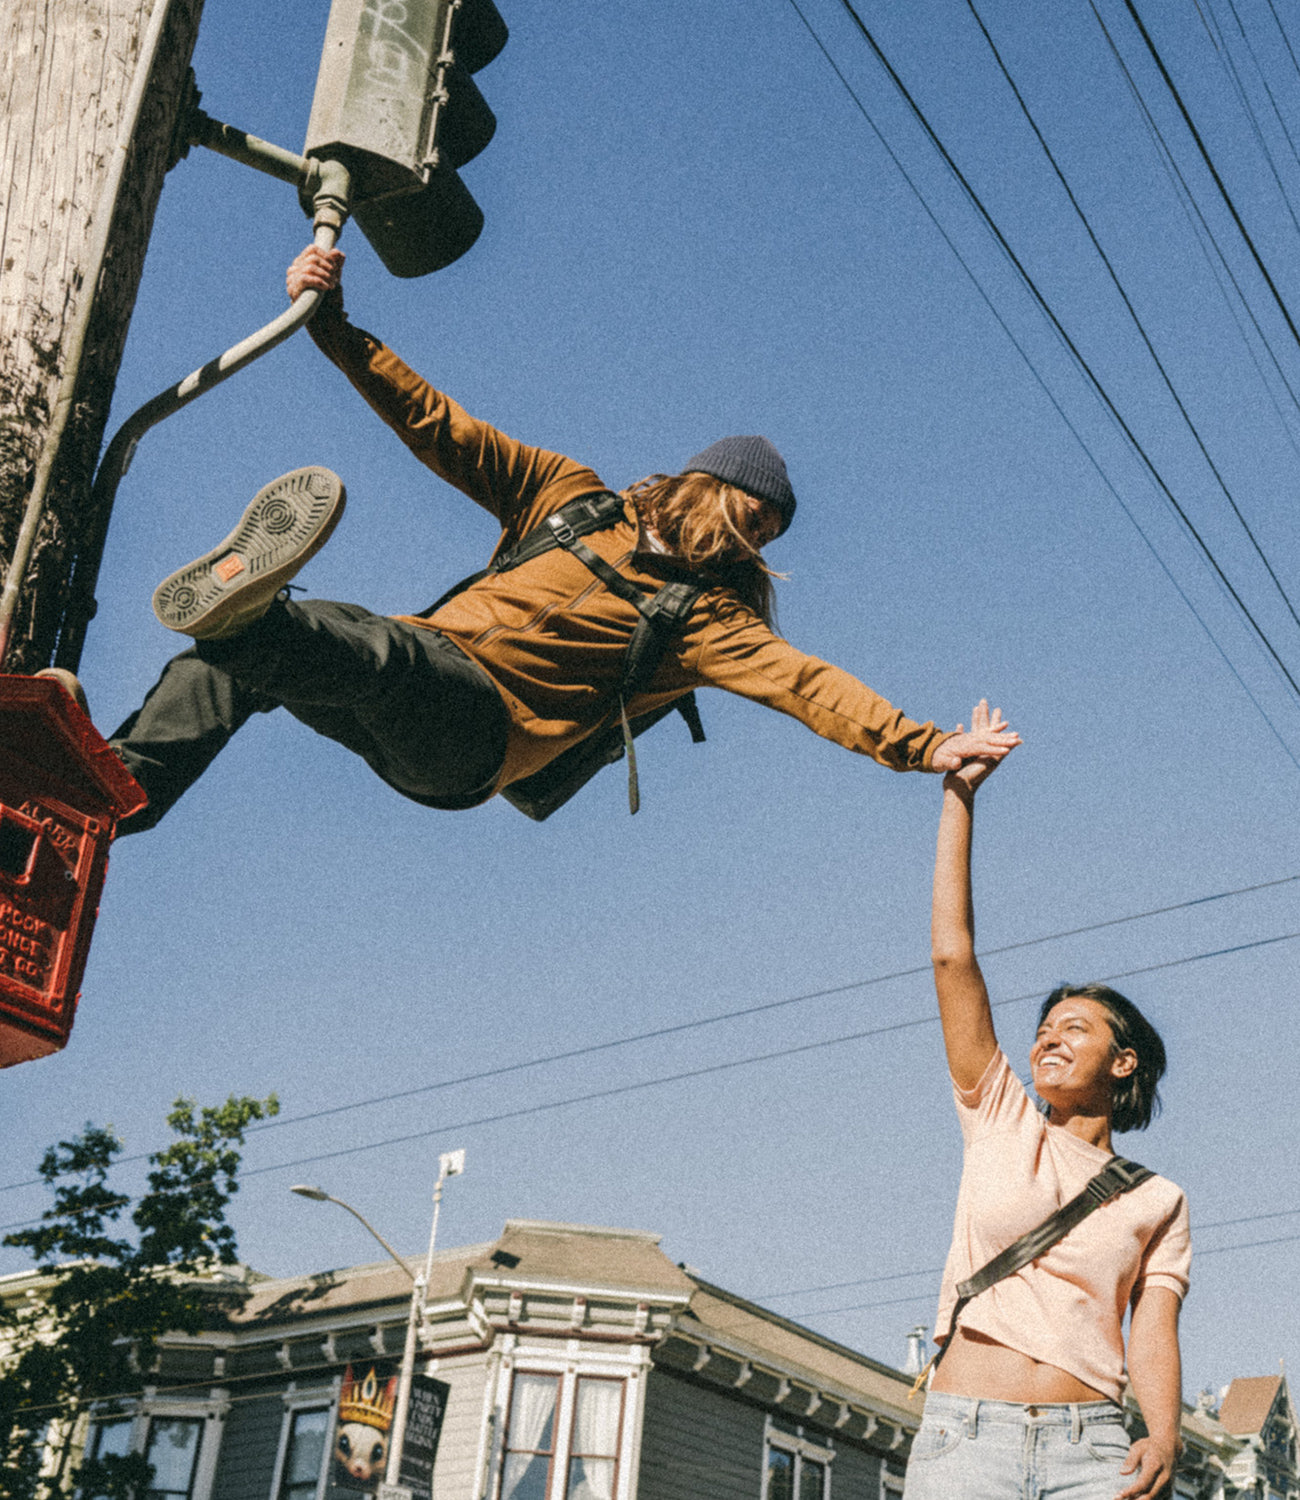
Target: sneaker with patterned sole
<point>225,590</point>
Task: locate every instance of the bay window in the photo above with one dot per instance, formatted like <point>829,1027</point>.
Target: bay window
<point>563,1436</point>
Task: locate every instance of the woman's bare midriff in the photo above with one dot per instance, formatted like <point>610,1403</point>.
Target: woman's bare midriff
<point>977,1366</point>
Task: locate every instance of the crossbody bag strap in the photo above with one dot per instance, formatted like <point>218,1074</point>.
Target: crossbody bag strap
<point>662,614</point>
<point>1116,1177</point>
<point>1119,1175</point>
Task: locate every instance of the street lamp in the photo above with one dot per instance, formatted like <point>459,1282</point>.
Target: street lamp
<point>319,1195</point>
<point>450,1164</point>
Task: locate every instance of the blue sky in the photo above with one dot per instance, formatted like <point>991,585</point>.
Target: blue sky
<point>692,230</point>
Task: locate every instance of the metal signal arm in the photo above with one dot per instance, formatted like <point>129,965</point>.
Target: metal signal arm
<point>328,186</point>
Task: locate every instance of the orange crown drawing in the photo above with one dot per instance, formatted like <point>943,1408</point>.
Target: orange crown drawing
<point>363,1401</point>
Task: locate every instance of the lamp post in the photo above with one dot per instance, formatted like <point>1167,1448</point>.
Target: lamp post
<point>319,1195</point>
<point>450,1164</point>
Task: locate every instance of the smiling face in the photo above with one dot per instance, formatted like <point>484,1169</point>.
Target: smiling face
<point>1074,1059</point>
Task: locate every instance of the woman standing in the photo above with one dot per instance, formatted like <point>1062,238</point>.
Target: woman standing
<point>1026,1398</point>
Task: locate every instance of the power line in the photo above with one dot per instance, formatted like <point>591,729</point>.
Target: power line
<point>1234,75</point>
<point>745,1012</point>
<point>1046,389</point>
<point>1285,1239</point>
<point>929,1296</point>
<point>619,1090</point>
<point>1197,1228</point>
<point>321,1366</point>
<point>1213,170</point>
<point>825,1312</point>
<point>1059,328</point>
<point>1133,314</point>
<point>1286,40</point>
<point>1204,232</point>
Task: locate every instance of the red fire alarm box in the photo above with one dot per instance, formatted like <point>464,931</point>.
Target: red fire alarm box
<point>62,792</point>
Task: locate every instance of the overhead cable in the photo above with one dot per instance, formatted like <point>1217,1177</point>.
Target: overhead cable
<point>1286,40</point>
<point>619,1090</point>
<point>1132,312</point>
<point>232,1379</point>
<point>744,1013</point>
<point>1198,1227</point>
<point>1048,392</point>
<point>1213,170</point>
<point>1218,35</point>
<point>1218,263</point>
<point>1005,245</point>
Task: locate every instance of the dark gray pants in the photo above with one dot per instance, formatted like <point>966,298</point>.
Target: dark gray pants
<point>416,709</point>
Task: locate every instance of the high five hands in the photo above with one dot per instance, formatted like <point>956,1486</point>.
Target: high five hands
<point>970,757</point>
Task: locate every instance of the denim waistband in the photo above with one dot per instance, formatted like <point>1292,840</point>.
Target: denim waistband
<point>974,1411</point>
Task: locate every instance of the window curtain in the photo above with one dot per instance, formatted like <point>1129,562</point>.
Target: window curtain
<point>595,1440</point>
<point>532,1409</point>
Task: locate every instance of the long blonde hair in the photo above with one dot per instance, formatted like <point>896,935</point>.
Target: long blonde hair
<point>701,520</point>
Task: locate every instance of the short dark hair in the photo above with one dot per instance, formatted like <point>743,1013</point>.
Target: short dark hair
<point>1135,1100</point>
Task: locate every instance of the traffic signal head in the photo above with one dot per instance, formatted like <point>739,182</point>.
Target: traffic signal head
<point>396,103</point>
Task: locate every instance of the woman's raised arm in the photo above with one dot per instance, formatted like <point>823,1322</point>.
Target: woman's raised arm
<point>968,1034</point>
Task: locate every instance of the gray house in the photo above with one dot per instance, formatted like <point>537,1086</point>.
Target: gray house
<point>575,1364</point>
<point>563,1362</point>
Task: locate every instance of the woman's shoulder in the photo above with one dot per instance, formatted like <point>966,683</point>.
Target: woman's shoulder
<point>999,1099</point>
<point>1163,1191</point>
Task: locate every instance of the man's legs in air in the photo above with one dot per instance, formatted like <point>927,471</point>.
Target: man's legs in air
<point>423,715</point>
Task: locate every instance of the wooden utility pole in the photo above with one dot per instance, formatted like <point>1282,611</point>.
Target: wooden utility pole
<point>86,139</point>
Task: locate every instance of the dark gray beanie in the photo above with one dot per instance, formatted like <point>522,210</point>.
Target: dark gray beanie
<point>751,464</point>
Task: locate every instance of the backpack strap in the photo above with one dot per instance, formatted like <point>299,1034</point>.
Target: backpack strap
<point>662,615</point>
<point>588,513</point>
<point>1119,1175</point>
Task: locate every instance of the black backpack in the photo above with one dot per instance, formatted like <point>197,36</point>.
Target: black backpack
<point>663,614</point>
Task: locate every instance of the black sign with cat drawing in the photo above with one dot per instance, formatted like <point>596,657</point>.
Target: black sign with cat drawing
<point>363,1432</point>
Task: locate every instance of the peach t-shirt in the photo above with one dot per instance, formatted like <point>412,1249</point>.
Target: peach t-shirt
<point>1067,1307</point>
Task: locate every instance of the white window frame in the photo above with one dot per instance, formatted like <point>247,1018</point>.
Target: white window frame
<point>210,1410</point>
<point>800,1448</point>
<point>617,1456</point>
<point>313,1399</point>
<point>891,1484</point>
<point>569,1372</point>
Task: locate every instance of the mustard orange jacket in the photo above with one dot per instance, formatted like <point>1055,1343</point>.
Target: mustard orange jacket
<point>550,636</point>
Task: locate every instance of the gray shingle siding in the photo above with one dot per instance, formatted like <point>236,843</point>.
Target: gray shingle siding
<point>703,1444</point>
<point>249,1444</point>
<point>698,1443</point>
<point>855,1474</point>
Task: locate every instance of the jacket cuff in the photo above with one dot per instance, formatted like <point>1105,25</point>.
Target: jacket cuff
<point>927,757</point>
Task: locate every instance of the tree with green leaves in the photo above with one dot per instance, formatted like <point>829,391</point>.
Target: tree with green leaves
<point>109,1292</point>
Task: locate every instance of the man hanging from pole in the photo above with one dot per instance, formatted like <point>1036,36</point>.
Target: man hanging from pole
<point>529,662</point>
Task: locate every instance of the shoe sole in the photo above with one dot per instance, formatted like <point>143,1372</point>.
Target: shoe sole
<point>286,523</point>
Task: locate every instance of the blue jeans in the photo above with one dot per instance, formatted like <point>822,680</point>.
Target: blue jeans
<point>999,1450</point>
